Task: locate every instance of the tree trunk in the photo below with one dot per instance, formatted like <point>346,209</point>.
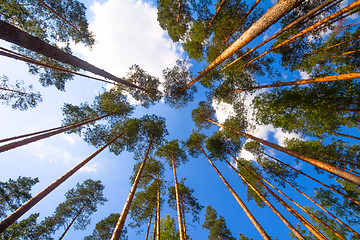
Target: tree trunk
<point>121,221</point>
<point>16,36</point>
<point>179,8</point>
<point>309,29</point>
<point>339,77</point>
<point>183,217</point>
<point>149,224</point>
<point>323,184</point>
<point>321,6</point>
<point>272,15</point>
<point>340,54</point>
<point>277,213</point>
<point>306,223</point>
<point>241,203</point>
<point>29,204</point>
<point>181,230</point>
<point>14,91</point>
<point>216,13</point>
<point>158,207</point>
<point>23,142</point>
<point>155,224</point>
<point>73,220</point>
<point>327,167</point>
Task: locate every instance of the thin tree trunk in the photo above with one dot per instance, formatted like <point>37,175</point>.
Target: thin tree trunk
<point>216,13</point>
<point>17,56</point>
<point>23,142</point>
<point>327,167</point>
<point>322,208</point>
<point>59,16</point>
<point>323,184</point>
<point>340,54</point>
<point>29,204</point>
<point>14,91</point>
<point>183,217</point>
<point>73,220</point>
<point>155,224</point>
<point>339,77</point>
<point>282,218</point>
<point>181,230</point>
<point>121,221</point>
<point>282,31</point>
<point>241,203</point>
<point>16,36</point>
<point>275,13</point>
<point>149,224</point>
<point>179,8</point>
<point>158,207</point>
<point>306,223</point>
<point>309,29</point>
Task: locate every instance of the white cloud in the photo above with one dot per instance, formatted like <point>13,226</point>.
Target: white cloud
<point>222,110</point>
<point>304,75</point>
<point>91,168</point>
<point>127,33</point>
<point>71,139</point>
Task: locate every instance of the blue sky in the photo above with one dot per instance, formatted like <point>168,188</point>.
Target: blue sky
<point>127,33</point>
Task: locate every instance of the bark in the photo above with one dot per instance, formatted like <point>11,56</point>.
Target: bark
<point>323,184</point>
<point>149,224</point>
<point>282,218</point>
<point>183,217</point>
<point>275,13</point>
<point>23,58</point>
<point>339,77</point>
<point>324,166</point>
<point>241,203</point>
<point>310,29</point>
<point>29,204</point>
<point>306,223</point>
<point>155,224</point>
<point>14,91</point>
<point>59,16</point>
<point>179,8</point>
<point>158,207</point>
<point>121,221</point>
<point>25,141</point>
<point>73,220</point>
<point>16,36</point>
<point>216,13</point>
<point>341,54</point>
<point>322,208</point>
<point>181,230</point>
<point>282,31</point>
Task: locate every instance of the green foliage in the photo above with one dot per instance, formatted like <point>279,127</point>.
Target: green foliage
<point>14,193</point>
<point>168,229</point>
<point>200,115</point>
<point>18,96</point>
<point>80,203</point>
<point>153,170</point>
<point>194,143</point>
<point>220,146</point>
<point>188,202</point>
<point>216,225</point>
<point>243,237</point>
<point>171,151</point>
<point>176,79</point>
<point>104,229</point>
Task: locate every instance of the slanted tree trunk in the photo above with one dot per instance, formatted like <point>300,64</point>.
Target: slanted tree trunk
<point>241,203</point>
<point>183,217</point>
<point>277,213</point>
<point>216,13</point>
<point>179,9</point>
<point>73,220</point>
<point>306,223</point>
<point>272,15</point>
<point>155,224</point>
<point>121,221</point>
<point>16,36</point>
<point>327,167</point>
<point>23,142</point>
<point>181,230</point>
<point>149,224</point>
<point>302,18</point>
<point>309,29</point>
<point>158,206</point>
<point>321,183</point>
<point>29,204</point>
<point>339,77</point>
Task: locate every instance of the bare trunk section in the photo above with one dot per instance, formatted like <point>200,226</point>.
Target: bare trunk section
<point>272,15</point>
<point>216,13</point>
<point>179,8</point>
<point>277,213</point>
<point>149,224</point>
<point>23,142</point>
<point>323,184</point>
<point>73,220</point>
<point>339,77</point>
<point>121,221</point>
<point>29,204</point>
<point>324,166</point>
<point>158,207</point>
<point>241,203</point>
<point>309,29</point>
<point>306,223</point>
<point>181,230</point>
<point>16,36</point>
<point>282,31</point>
<point>155,224</point>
